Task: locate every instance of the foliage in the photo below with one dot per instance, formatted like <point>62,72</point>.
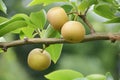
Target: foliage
<point>3,7</point>
<point>35,24</point>
<point>64,74</point>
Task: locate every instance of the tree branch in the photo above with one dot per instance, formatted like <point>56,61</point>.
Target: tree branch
<point>88,23</point>
<point>91,37</point>
<point>83,17</point>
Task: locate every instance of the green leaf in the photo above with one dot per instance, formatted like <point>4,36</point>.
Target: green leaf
<point>26,32</point>
<point>21,17</point>
<point>55,51</point>
<point>114,20</point>
<point>17,31</point>
<point>3,24</point>
<point>45,2</point>
<point>38,18</point>
<point>3,19</point>
<point>16,22</point>
<point>50,32</point>
<point>3,7</point>
<point>64,75</point>
<point>12,26</point>
<point>105,10</point>
<point>86,4</point>
<point>16,17</point>
<point>67,8</point>
<point>21,35</point>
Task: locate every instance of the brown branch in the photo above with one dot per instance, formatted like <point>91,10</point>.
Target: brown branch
<point>83,17</point>
<point>91,37</point>
<point>86,11</point>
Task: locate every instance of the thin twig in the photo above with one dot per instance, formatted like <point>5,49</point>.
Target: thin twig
<point>88,23</point>
<point>86,11</point>
<point>83,17</point>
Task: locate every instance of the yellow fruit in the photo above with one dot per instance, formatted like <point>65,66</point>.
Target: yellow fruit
<point>73,31</point>
<point>38,59</point>
<point>57,17</point>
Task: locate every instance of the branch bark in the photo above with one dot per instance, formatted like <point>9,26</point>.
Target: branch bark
<point>83,17</point>
<point>90,37</point>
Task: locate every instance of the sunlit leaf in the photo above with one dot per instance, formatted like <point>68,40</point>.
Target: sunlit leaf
<point>55,51</point>
<point>105,10</point>
<point>3,7</point>
<point>38,18</point>
<point>114,20</point>
<point>12,26</point>
<point>64,75</point>
<point>16,17</point>
<point>16,22</point>
<point>3,24</point>
<point>45,2</point>
<point>21,35</point>
<point>86,4</point>
<point>22,17</point>
<point>17,31</point>
<point>50,32</point>
<point>26,32</point>
<point>3,19</point>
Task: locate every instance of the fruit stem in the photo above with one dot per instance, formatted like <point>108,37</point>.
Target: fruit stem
<point>75,18</point>
<point>42,50</point>
<point>38,32</point>
<point>45,46</point>
<point>86,11</point>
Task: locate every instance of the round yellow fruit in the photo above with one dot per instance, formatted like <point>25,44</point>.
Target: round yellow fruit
<point>57,17</point>
<point>39,59</point>
<point>73,31</point>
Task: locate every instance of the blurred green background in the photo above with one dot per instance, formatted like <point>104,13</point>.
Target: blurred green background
<point>88,58</point>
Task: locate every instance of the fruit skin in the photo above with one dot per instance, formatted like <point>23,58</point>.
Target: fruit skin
<point>73,31</point>
<point>96,77</point>
<point>57,17</point>
<point>38,59</point>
